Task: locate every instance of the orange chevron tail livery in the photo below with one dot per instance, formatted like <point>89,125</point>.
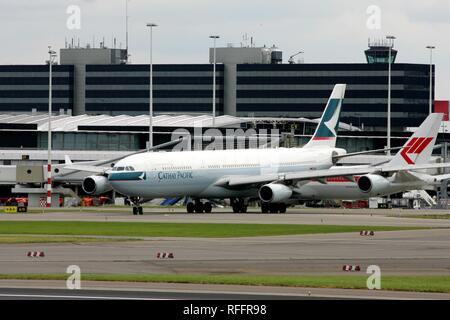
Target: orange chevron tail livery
<point>419,147</point>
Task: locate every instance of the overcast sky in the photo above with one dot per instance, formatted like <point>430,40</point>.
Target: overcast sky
<point>326,30</point>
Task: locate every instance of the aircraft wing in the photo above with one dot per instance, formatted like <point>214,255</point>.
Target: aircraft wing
<point>337,157</point>
<point>87,168</point>
<point>413,167</point>
<point>159,146</point>
<point>440,177</point>
<point>320,174</point>
<point>96,166</point>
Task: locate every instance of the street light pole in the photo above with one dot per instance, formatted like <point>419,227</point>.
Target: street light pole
<point>431,78</point>
<point>214,81</point>
<point>51,54</point>
<point>126,28</point>
<point>150,130</point>
<point>392,38</point>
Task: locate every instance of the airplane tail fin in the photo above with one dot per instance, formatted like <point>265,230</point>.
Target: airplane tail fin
<point>67,159</point>
<point>326,131</point>
<point>418,148</point>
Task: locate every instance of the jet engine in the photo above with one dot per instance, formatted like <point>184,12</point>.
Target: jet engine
<point>274,192</point>
<point>373,184</point>
<point>94,185</point>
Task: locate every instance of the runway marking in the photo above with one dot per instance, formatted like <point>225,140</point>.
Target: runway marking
<point>314,295</point>
<point>73,297</point>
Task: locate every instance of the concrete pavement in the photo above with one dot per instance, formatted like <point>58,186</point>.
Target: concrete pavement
<point>396,252</point>
<point>40,289</point>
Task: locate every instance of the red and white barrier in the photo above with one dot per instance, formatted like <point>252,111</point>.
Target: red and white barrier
<point>366,233</point>
<point>49,186</point>
<point>164,255</point>
<point>43,202</point>
<point>36,254</point>
<point>351,268</point>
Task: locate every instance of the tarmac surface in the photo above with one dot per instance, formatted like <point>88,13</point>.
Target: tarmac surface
<point>92,290</point>
<point>395,252</point>
<point>64,294</point>
<point>363,217</point>
<point>424,252</point>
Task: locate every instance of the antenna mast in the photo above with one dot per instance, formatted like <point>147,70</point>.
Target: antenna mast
<point>126,28</point>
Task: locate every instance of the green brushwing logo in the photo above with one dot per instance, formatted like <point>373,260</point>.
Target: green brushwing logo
<point>329,123</point>
<point>127,176</point>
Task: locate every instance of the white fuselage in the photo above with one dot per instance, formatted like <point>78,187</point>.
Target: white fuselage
<point>198,173</point>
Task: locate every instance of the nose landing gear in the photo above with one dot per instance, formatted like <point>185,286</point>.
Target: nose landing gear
<point>138,210</point>
<point>137,207</point>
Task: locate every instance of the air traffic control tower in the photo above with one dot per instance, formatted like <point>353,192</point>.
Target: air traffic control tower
<point>378,51</point>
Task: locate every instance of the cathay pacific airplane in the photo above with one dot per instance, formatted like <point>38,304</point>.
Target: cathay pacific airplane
<point>203,174</point>
<point>274,176</point>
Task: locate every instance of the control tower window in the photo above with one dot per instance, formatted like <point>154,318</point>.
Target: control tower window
<point>378,52</point>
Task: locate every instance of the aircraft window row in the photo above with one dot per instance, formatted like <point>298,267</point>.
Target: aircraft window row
<point>242,165</point>
<point>177,168</point>
<point>290,163</point>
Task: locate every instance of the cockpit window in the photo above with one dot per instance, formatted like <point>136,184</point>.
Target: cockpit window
<point>127,168</point>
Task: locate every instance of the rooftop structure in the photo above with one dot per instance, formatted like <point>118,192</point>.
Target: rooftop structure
<point>103,55</point>
<point>378,51</point>
<point>238,55</point>
<point>66,123</point>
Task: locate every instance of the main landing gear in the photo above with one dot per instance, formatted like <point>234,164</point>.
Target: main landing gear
<point>269,207</point>
<point>199,207</point>
<point>239,205</point>
<point>137,208</point>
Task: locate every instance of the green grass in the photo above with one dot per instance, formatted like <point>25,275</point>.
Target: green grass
<point>147,229</point>
<point>14,239</point>
<point>417,283</point>
<point>428,216</point>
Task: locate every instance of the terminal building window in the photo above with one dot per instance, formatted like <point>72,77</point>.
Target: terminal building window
<point>90,141</point>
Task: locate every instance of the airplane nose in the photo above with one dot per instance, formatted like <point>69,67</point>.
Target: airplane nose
<point>117,186</point>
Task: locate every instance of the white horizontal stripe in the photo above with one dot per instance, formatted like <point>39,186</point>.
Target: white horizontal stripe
<point>194,87</point>
<point>33,87</point>
<point>73,297</point>
<point>187,73</point>
<point>321,73</point>
<point>155,100</point>
<point>33,74</point>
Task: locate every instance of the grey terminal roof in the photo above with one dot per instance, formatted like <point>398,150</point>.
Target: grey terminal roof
<point>67,123</point>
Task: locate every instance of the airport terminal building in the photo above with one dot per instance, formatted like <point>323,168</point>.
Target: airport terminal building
<point>250,82</point>
<point>101,103</point>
